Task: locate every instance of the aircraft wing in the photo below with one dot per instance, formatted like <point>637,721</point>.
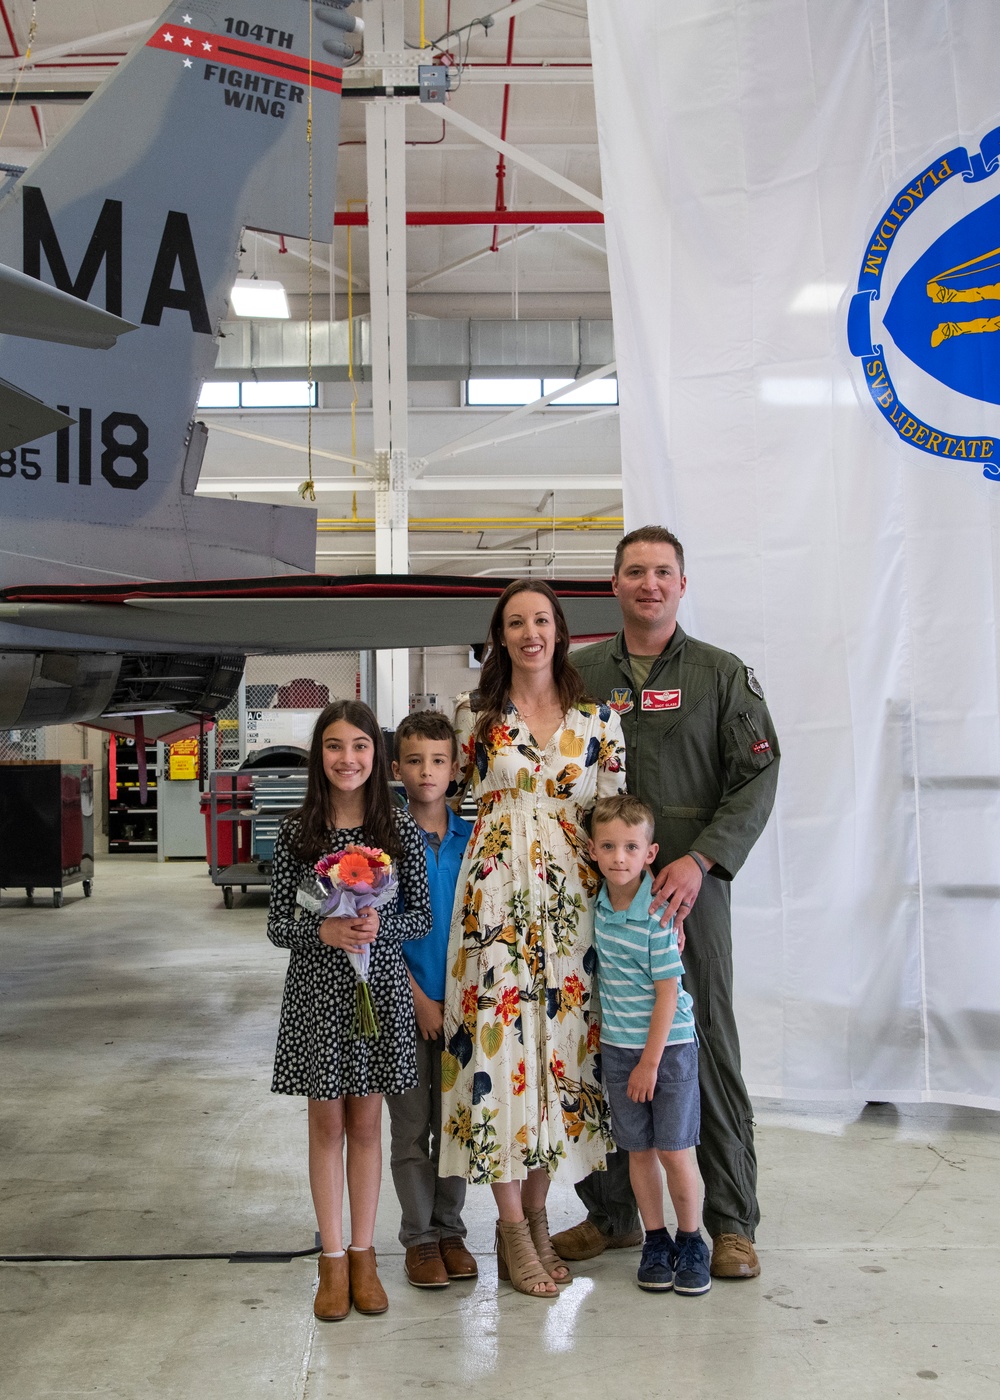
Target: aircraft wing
<point>24,418</point>
<point>33,309</point>
<point>37,311</point>
<point>292,614</point>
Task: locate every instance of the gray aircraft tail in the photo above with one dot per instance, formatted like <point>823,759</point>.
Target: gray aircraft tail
<point>138,207</point>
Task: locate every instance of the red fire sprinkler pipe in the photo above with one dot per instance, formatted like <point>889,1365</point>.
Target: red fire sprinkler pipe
<point>15,52</point>
<point>501,204</point>
<point>358,218</point>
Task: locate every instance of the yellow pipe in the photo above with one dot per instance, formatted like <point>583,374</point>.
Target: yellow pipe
<point>350,357</point>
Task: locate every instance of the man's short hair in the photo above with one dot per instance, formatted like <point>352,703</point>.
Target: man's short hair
<point>426,724</point>
<point>649,534</point>
<point>623,807</point>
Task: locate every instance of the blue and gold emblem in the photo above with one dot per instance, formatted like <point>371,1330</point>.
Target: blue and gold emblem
<point>621,700</point>
<point>941,298</point>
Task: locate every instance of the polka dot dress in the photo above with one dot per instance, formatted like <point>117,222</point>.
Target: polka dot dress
<point>316,1054</point>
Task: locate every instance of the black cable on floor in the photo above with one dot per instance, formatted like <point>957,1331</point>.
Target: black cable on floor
<point>238,1256</point>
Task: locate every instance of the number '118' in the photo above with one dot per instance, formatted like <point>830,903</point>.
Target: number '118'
<point>124,439</point>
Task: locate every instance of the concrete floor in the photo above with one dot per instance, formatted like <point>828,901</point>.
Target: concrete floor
<point>136,1031</point>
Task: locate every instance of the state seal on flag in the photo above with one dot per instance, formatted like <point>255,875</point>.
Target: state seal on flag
<point>923,325</point>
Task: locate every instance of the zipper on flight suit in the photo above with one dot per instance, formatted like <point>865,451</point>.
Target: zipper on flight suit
<point>654,671</point>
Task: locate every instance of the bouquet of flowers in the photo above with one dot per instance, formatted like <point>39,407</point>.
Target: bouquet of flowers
<point>354,879</point>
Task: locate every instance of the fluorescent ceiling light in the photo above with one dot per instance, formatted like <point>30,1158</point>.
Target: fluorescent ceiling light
<point>261,300</point>
<point>818,297</point>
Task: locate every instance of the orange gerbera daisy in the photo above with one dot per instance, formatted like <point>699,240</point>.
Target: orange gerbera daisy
<point>353,869</point>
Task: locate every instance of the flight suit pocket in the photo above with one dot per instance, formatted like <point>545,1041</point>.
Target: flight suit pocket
<point>753,747</point>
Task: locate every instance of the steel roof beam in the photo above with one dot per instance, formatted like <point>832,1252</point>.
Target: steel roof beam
<point>519,157</point>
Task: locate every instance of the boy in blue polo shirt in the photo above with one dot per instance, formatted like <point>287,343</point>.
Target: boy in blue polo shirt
<point>649,1049</point>
<point>431,1231</point>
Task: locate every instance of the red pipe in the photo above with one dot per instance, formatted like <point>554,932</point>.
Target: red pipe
<point>541,63</point>
<point>16,53</point>
<point>358,218</point>
<point>501,203</point>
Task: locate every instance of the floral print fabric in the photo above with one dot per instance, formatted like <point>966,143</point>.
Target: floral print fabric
<point>520,1087</point>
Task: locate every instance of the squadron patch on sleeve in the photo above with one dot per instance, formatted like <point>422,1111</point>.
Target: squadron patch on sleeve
<point>754,683</point>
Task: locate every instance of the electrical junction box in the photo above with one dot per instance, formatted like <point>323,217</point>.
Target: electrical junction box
<point>433,80</point>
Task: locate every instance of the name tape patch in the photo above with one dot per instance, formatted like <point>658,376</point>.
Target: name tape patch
<point>661,699</point>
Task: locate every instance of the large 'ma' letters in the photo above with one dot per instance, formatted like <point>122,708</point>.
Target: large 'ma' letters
<point>105,247</point>
<point>176,253</point>
<point>177,250</point>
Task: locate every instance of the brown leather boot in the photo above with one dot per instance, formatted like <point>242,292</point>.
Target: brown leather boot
<point>733,1256</point>
<point>333,1296</point>
<point>586,1241</point>
<point>367,1293</point>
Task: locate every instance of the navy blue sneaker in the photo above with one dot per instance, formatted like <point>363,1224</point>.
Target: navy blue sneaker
<point>691,1261</point>
<point>655,1272</point>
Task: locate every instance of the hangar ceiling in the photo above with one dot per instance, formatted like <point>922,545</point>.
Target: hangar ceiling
<point>541,493</point>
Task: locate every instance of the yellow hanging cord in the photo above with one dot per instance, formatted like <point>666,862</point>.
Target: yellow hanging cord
<point>423,37</point>
<point>350,358</point>
<point>32,31</point>
<point>308,487</point>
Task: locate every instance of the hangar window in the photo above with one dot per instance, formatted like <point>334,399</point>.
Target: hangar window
<point>253,393</point>
<point>501,393</point>
<point>513,393</point>
<point>598,391</point>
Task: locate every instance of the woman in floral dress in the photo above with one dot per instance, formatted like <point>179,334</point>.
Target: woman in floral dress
<point>521,1094</point>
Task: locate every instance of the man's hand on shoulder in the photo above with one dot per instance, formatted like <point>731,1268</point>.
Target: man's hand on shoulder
<point>676,888</point>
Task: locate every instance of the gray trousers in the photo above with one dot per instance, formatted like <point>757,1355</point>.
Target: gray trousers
<point>431,1205</point>
<point>726,1156</point>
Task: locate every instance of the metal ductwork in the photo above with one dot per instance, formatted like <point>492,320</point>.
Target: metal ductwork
<point>436,349</point>
<point>43,688</point>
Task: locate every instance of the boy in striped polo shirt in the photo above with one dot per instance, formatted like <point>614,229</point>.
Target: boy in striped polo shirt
<point>649,1048</point>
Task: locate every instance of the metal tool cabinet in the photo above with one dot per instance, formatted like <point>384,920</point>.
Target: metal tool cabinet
<point>46,826</point>
<point>264,800</point>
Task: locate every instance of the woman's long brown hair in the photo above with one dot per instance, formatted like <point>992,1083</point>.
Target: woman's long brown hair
<point>490,700</point>
<point>311,840</point>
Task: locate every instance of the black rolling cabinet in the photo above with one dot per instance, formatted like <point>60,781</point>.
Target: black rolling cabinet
<point>131,826</point>
<point>46,826</point>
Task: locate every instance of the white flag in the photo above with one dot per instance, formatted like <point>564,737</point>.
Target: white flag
<point>803,217</point>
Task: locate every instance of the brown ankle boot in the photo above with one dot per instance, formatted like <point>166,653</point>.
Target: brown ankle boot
<point>367,1293</point>
<point>333,1296</point>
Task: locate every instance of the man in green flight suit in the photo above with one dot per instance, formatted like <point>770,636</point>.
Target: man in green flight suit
<point>703,754</point>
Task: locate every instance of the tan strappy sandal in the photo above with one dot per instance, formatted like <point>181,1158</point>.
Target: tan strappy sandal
<point>556,1268</point>
<point>517,1260</point>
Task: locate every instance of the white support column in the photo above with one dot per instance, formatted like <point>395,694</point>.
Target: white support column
<point>386,155</point>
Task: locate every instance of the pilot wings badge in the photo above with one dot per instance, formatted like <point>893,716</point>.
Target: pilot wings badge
<point>928,305</point>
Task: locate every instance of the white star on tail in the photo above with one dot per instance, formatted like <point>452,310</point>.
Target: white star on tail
<point>168,38</point>
<point>188,63</point>
<point>187,42</point>
<point>187,19</point>
<point>207,46</point>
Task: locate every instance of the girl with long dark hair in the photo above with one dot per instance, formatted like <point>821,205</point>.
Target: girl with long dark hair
<point>319,1052</point>
<point>521,1096</point>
